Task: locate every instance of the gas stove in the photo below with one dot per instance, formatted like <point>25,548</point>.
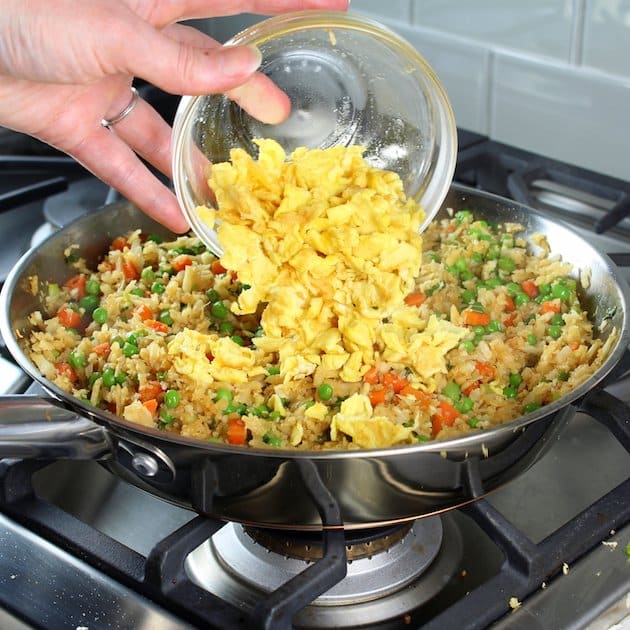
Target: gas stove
<point>83,549</point>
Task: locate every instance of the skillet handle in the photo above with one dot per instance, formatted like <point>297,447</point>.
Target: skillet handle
<point>37,427</point>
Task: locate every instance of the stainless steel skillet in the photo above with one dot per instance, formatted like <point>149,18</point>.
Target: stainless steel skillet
<point>275,488</point>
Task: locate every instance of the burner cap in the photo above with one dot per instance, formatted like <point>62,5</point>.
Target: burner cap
<point>81,197</point>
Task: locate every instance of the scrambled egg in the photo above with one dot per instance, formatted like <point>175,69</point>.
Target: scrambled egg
<point>328,243</point>
<point>330,247</point>
<point>230,363</point>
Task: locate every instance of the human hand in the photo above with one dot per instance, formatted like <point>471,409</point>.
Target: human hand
<point>65,66</point>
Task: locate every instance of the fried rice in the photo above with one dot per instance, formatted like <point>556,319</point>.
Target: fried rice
<point>137,336</point>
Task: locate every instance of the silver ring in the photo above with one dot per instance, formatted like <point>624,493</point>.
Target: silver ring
<point>108,123</point>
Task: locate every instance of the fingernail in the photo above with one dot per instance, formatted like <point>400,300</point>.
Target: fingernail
<point>239,60</point>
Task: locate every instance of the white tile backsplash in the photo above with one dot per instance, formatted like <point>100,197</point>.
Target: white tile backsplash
<point>567,113</point>
<point>543,27</point>
<point>606,42</point>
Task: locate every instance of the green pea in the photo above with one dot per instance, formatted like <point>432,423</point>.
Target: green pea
<point>100,315</point>
<point>273,370</point>
<point>121,378</point>
<point>155,238</point>
<point>563,375</point>
<point>147,275</point>
<point>237,340</point>
<point>554,332</point>
<point>465,275</point>
<point>223,394</point>
<point>476,257</point>
<point>213,295</point>
<point>452,391</point>
<point>506,264</point>
<point>461,264</point>
<point>464,404</point>
<point>494,252</point>
<point>468,296</point>
<point>532,340</point>
<point>139,292</point>
<point>239,408</point>
<point>557,320</point>
<point>463,215</point>
<point>92,287</point>
<point>468,345</point>
<point>275,415</point>
<point>109,377</point>
<point>325,391</point>
<point>77,360</point>
<point>473,422</point>
<point>226,328</point>
<point>172,398</point>
<point>510,391</point>
<point>272,440</point>
<point>493,326</point>
<point>492,283</point>
<point>545,289</point>
<point>521,298</point>
<point>129,349</point>
<point>513,289</point>
<point>479,331</point>
<point>532,406</point>
<point>515,379</point>
<point>93,378</point>
<point>561,291</point>
<point>54,290</point>
<point>165,318</point>
<point>89,302</point>
<point>219,310</point>
<point>165,416</point>
<point>261,411</point>
<point>158,287</point>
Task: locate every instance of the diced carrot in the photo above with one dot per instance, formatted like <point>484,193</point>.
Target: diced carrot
<point>130,271</point>
<point>65,369</point>
<point>68,317</point>
<point>467,391</point>
<point>415,299</point>
<point>485,369</point>
<point>209,356</point>
<point>550,307</point>
<point>377,396</point>
<point>236,431</point>
<point>143,311</point>
<point>76,283</point>
<point>101,348</point>
<point>422,397</point>
<point>150,390</point>
<point>529,287</point>
<point>509,321</point>
<point>473,318</point>
<point>371,376</point>
<point>217,268</point>
<point>157,326</point>
<point>392,381</point>
<point>574,346</point>
<point>509,304</point>
<point>444,417</point>
<point>181,262</point>
<point>151,405</point>
<point>119,243</point>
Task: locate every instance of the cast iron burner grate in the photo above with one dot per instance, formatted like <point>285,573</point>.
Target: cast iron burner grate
<point>161,577</point>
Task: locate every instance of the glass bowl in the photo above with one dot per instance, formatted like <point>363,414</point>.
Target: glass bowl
<point>351,81</point>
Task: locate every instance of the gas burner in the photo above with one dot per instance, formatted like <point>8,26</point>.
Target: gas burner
<point>390,571</point>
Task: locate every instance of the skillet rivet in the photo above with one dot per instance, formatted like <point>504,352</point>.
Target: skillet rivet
<point>145,465</point>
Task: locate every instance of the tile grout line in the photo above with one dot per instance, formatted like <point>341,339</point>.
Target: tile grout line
<point>576,48</point>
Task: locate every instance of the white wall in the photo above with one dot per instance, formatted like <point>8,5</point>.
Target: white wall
<point>551,76</point>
